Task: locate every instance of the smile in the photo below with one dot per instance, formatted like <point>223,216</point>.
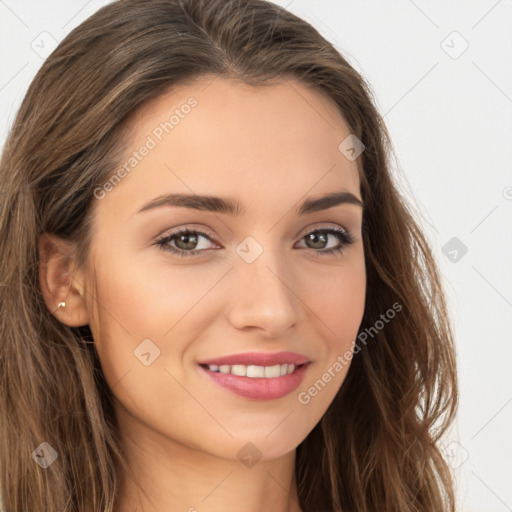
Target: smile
<point>257,382</point>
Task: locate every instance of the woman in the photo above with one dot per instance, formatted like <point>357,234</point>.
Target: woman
<point>213,295</point>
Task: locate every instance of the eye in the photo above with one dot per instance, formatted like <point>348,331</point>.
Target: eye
<point>321,236</point>
<point>187,241</point>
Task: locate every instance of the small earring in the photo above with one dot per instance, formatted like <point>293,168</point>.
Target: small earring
<point>63,305</point>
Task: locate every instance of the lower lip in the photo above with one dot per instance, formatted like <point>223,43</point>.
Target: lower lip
<point>259,388</point>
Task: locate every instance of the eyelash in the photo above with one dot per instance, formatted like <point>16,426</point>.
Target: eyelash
<point>343,236</point>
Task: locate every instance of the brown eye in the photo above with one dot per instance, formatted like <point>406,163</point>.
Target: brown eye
<point>319,238</point>
<point>185,242</point>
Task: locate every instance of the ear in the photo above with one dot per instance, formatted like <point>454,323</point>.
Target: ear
<point>60,281</point>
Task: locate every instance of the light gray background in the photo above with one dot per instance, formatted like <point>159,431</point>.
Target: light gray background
<point>449,116</point>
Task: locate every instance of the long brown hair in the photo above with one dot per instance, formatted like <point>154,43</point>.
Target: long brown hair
<point>376,448</point>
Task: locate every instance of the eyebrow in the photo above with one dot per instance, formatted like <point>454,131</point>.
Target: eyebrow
<point>232,207</point>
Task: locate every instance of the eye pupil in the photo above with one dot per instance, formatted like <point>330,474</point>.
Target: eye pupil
<point>187,238</point>
<point>315,236</point>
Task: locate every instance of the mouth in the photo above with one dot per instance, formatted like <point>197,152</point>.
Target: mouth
<point>257,382</point>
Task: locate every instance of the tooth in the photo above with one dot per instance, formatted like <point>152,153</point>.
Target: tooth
<point>256,371</point>
<point>239,369</point>
<point>273,371</point>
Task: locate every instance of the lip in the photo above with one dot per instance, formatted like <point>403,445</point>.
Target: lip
<point>259,359</point>
<point>258,388</point>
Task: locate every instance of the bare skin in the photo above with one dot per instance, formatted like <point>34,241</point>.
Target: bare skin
<point>270,149</point>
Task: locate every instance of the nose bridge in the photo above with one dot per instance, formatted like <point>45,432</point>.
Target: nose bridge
<point>264,296</point>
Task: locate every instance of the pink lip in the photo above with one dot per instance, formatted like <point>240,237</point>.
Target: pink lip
<point>259,359</point>
<point>259,388</point>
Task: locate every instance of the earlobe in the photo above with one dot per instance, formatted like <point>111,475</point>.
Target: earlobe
<point>61,287</point>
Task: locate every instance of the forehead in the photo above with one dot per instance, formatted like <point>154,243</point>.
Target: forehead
<point>222,137</point>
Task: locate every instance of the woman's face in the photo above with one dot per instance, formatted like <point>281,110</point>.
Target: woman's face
<point>252,280</point>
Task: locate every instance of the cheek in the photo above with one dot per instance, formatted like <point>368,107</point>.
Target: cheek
<point>141,331</point>
<point>338,306</point>
<point>138,301</point>
<point>151,299</point>
<point>338,299</point>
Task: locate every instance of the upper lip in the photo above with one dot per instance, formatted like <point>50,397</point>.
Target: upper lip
<point>259,359</point>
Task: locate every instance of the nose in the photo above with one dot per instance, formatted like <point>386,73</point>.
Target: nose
<point>262,296</point>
